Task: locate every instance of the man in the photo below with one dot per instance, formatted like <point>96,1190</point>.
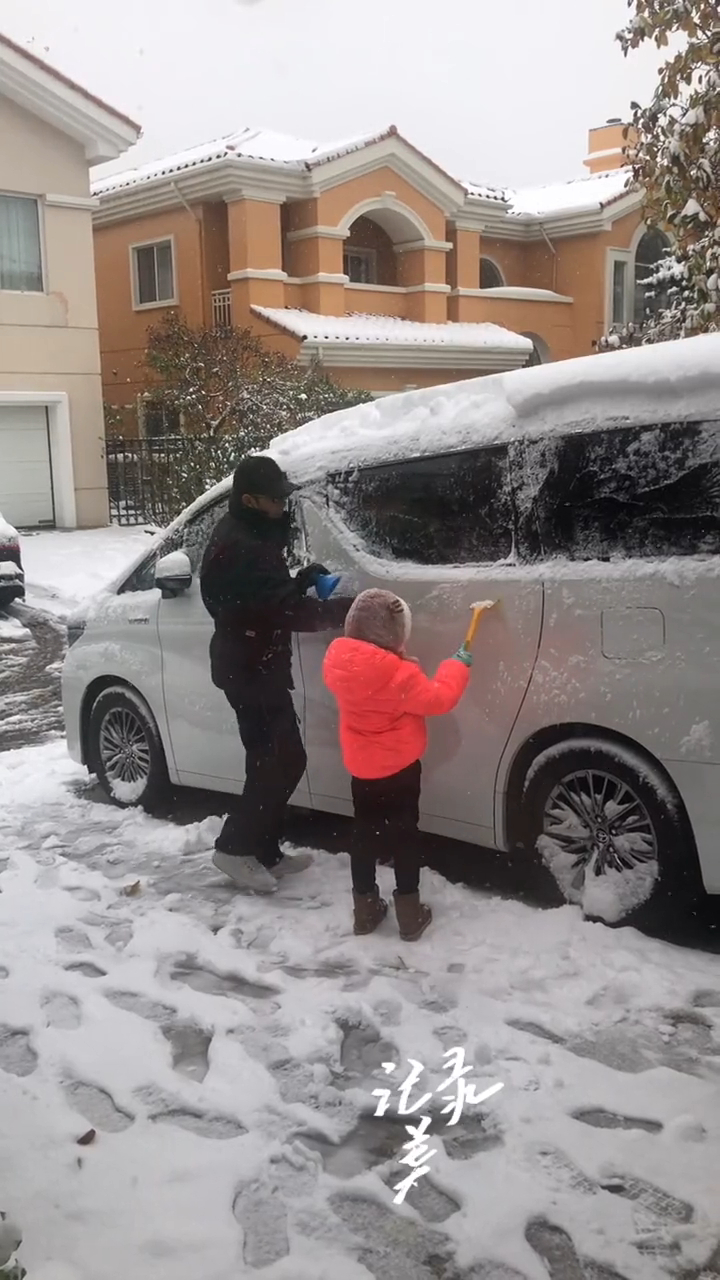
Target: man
<point>256,605</point>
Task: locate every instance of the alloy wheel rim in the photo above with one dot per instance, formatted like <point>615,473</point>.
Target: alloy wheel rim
<point>601,824</point>
<point>124,748</point>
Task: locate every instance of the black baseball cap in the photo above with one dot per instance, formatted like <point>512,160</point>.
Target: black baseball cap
<point>260,476</point>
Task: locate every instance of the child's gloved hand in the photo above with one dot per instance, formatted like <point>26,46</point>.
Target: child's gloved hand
<point>464,655</point>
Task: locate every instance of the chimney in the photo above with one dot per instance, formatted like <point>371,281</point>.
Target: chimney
<point>606,146</point>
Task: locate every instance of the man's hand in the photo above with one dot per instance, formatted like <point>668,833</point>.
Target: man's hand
<point>307,577</point>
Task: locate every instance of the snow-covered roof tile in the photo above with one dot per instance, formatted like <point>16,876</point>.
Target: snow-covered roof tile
<point>364,330</point>
<point>261,145</point>
<point>480,191</point>
<point>577,196</point>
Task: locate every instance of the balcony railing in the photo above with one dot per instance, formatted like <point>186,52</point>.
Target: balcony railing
<point>222,309</point>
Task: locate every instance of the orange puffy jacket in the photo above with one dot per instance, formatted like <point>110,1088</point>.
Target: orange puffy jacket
<point>383,700</point>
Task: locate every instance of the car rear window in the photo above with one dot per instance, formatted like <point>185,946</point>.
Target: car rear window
<point>646,492</point>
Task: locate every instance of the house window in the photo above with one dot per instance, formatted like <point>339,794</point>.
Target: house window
<point>360,266</point>
<point>153,274</point>
<point>20,249</point>
<point>619,290</point>
<point>490,275</point>
<point>650,252</point>
<point>160,419</point>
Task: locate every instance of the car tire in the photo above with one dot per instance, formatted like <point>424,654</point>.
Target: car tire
<point>611,831</point>
<point>125,750</point>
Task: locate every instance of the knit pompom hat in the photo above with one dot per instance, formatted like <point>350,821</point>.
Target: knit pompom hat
<point>380,618</point>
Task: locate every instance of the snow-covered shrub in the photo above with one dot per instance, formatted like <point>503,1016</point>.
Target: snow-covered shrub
<point>675,159</point>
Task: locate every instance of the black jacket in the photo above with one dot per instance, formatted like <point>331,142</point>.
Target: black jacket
<point>256,605</point>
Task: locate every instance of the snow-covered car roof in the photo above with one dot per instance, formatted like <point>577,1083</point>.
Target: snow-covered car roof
<point>8,535</point>
<point>672,381</point>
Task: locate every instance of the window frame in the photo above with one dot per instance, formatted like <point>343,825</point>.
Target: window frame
<point>135,278</point>
<point>40,207</point>
<point>484,257</point>
<point>339,479</point>
<point>367,255</point>
<point>628,258</point>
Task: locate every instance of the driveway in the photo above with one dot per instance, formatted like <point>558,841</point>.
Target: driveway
<point>167,1042</point>
<point>32,647</point>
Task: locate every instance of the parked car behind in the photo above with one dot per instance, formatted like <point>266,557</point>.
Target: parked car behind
<point>12,578</point>
<point>585,498</point>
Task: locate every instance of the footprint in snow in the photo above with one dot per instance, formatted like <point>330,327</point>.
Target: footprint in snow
<point>97,1107</point>
<point>17,1055</point>
<point>205,1124</point>
<point>600,1119</point>
<point>394,1247</point>
<point>70,939</point>
<point>362,1052</point>
<point>62,1011</point>
<point>189,1043</point>
<point>210,981</point>
<point>560,1256</point>
<point>81,893</point>
<point>260,1206</point>
<point>661,1204</point>
<point>190,1047</point>
<point>86,968</point>
<point>143,1006</point>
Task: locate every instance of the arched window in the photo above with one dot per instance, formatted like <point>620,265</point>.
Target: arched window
<point>540,352</point>
<point>490,275</point>
<point>651,250</point>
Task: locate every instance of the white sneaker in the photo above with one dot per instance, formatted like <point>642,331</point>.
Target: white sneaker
<point>290,864</point>
<point>247,873</point>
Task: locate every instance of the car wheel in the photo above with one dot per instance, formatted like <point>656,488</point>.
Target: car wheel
<point>611,831</point>
<point>125,751</point>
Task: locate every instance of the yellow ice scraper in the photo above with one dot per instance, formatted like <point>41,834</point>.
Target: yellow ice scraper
<point>478,609</point>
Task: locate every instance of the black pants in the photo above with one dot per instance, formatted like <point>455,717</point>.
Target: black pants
<point>275,761</point>
<point>387,813</point>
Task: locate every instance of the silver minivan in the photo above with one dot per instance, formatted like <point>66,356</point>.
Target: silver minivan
<point>584,498</point>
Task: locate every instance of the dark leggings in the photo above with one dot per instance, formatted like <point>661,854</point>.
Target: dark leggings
<point>387,813</point>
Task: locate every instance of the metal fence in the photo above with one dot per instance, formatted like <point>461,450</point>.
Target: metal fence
<point>140,474</point>
<point>151,480</point>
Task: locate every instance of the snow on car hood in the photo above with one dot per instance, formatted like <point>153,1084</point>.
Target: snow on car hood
<point>668,382</point>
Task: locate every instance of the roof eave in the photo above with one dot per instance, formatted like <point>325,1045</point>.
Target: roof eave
<point>104,134</point>
<point>396,355</point>
<point>227,178</point>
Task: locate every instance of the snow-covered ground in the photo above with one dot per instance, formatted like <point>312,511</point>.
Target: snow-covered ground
<point>186,1074</point>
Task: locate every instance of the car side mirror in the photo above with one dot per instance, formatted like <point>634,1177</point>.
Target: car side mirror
<point>173,574</point>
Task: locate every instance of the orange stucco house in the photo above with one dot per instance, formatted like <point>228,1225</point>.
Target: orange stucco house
<point>368,256</point>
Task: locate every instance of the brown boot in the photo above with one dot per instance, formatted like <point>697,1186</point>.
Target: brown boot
<point>370,911</point>
<point>413,916</point>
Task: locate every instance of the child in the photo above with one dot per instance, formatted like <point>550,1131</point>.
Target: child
<point>383,698</point>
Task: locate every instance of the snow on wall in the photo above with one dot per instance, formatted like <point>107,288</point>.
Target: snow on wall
<point>361,330</point>
<point>669,382</point>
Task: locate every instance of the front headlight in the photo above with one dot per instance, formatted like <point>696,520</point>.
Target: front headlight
<point>74,632</point>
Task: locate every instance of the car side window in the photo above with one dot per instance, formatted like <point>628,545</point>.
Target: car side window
<point>191,537</point>
<point>638,492</point>
<point>451,509</point>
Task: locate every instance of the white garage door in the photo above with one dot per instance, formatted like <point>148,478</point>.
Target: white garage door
<point>26,495</point>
